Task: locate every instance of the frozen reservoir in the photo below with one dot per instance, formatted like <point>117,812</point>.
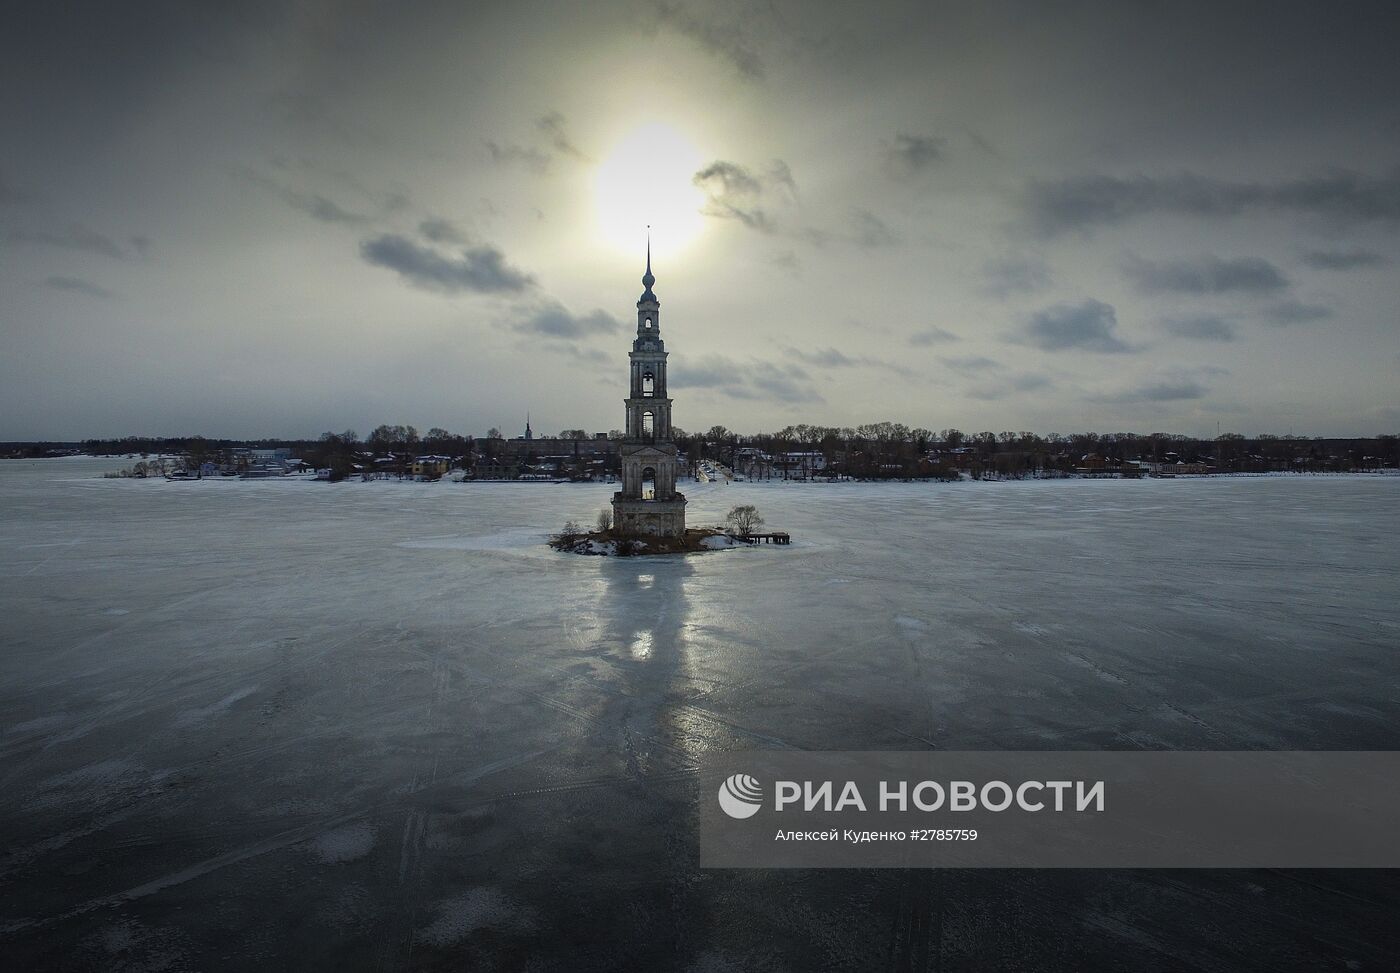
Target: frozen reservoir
<point>261,724</point>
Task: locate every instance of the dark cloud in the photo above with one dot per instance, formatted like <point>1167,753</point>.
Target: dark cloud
<point>312,204</point>
<point>1296,312</point>
<point>76,237</point>
<point>914,153</point>
<point>1342,259</point>
<point>722,179</point>
<point>552,125</point>
<point>481,269</point>
<point>1085,202</point>
<point>827,357</point>
<point>752,380</point>
<point>553,320</point>
<point>725,41</point>
<point>1203,327</point>
<point>1005,276</point>
<point>932,336</point>
<point>76,285</point>
<point>441,231</point>
<point>1086,326</point>
<point>1205,275</point>
<point>734,192</point>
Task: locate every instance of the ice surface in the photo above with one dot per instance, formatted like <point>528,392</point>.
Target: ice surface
<point>380,725</point>
<point>344,844</point>
<point>458,917</point>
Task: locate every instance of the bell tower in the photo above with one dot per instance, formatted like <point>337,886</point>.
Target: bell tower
<point>648,502</point>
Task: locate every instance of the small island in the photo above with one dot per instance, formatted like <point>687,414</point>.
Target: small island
<point>740,530</point>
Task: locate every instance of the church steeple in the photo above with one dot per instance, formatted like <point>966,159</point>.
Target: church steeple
<point>648,502</point>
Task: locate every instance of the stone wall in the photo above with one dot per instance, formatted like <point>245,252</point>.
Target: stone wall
<point>661,518</point>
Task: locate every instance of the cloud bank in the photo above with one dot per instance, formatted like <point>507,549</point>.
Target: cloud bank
<point>482,269</point>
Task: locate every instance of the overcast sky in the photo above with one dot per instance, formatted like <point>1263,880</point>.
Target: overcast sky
<point>284,218</point>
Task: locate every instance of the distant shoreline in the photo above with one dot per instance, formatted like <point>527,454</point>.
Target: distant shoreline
<point>774,481</point>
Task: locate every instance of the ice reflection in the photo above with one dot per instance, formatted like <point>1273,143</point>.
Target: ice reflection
<point>646,613</point>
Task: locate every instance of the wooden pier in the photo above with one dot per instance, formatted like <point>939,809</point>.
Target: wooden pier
<point>775,537</point>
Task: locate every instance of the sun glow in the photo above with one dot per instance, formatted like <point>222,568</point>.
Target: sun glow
<point>647,181</point>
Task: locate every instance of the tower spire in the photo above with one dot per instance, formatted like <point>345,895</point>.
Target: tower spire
<point>647,278</point>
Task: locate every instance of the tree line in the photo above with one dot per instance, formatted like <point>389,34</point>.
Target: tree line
<point>871,450</point>
<point>895,450</point>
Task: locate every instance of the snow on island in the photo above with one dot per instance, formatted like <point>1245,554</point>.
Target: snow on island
<point>696,540</point>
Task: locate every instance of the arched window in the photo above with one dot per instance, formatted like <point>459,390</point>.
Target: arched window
<point>648,425</point>
<point>648,385</point>
<point>648,484</point>
<point>647,324</point>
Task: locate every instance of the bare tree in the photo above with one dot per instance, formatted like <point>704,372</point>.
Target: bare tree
<point>570,533</point>
<point>604,522</point>
<point>743,519</point>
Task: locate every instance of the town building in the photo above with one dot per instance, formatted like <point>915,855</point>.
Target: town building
<point>430,467</point>
<point>505,459</point>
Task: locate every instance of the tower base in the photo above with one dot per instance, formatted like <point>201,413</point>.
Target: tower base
<point>659,518</point>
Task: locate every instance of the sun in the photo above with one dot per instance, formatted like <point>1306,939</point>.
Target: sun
<point>647,181</point>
